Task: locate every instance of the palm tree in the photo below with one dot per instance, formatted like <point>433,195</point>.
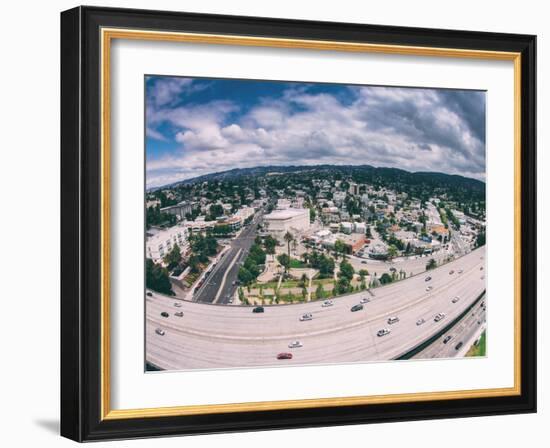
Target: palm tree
<point>288,238</point>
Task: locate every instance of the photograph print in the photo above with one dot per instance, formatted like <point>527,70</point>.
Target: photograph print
<point>295,223</point>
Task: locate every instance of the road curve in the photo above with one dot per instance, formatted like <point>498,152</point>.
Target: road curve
<point>218,336</point>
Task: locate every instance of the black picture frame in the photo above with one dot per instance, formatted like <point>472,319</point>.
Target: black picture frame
<point>81,224</point>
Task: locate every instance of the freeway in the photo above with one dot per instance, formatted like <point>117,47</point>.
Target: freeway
<point>210,336</point>
<point>458,339</point>
<point>219,285</point>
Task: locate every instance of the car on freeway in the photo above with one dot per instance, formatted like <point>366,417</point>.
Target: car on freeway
<point>482,277</point>
<point>447,339</point>
<point>459,345</point>
<point>258,309</point>
<point>460,271</point>
<point>164,314</point>
<point>358,307</point>
<point>306,316</point>
<point>439,316</point>
<point>363,262</point>
<point>392,269</point>
<point>427,279</point>
<point>327,303</point>
<point>481,268</point>
<point>383,332</point>
<point>295,344</point>
<point>429,288</point>
<point>160,332</point>
<point>177,304</point>
<point>420,321</point>
<point>456,299</point>
<point>393,320</point>
<point>364,300</point>
<point>179,314</point>
<point>149,294</point>
<point>284,356</point>
<point>451,272</point>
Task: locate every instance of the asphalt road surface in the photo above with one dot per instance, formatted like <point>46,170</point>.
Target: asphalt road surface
<point>219,286</point>
<point>463,332</point>
<point>211,336</point>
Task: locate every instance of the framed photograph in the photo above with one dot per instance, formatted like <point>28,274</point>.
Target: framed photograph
<point>276,224</point>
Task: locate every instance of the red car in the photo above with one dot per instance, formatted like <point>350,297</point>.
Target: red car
<point>284,356</point>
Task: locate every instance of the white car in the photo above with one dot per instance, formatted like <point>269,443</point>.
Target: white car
<point>327,303</point>
<point>307,316</point>
<point>177,304</point>
<point>295,344</point>
<point>429,288</point>
<point>460,271</point>
<point>160,332</point>
<point>439,316</point>
<point>456,299</point>
<point>393,320</point>
<point>383,332</point>
<point>364,300</point>
<point>420,321</point>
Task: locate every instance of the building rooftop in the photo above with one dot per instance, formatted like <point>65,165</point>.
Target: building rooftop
<point>286,213</point>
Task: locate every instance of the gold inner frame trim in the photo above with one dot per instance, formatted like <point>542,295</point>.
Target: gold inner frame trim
<point>107,35</point>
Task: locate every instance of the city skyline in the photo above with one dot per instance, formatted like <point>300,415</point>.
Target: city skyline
<point>202,126</point>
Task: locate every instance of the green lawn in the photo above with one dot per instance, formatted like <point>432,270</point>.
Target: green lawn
<point>297,264</point>
<point>480,348</point>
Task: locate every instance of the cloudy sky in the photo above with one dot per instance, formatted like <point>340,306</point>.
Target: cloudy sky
<point>198,126</point>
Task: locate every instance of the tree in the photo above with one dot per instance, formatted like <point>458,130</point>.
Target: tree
<point>194,264</point>
<point>392,252</point>
<point>303,280</point>
<point>340,248</point>
<point>312,214</point>
<point>320,292</point>
<point>385,278</point>
<point>270,244</point>
<point>343,285</point>
<point>284,261</point>
<point>245,276</point>
<point>173,258</point>
<point>288,238</point>
<point>369,232</point>
<point>215,211</point>
<point>156,278</point>
<point>432,264</point>
<point>346,270</point>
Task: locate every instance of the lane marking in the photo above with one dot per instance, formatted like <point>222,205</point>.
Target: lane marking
<point>225,276</point>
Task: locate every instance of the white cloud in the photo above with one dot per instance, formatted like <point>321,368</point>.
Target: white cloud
<point>412,129</point>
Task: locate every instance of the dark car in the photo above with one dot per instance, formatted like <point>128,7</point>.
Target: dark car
<point>356,307</point>
<point>149,294</point>
<point>164,314</point>
<point>258,309</point>
<point>427,279</point>
<point>460,344</point>
<point>447,339</point>
<point>284,356</point>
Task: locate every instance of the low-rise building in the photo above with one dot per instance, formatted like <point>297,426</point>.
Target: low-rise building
<point>293,220</point>
<point>161,241</point>
<point>180,210</point>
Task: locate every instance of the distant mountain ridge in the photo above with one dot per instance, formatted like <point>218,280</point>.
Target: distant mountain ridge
<point>365,173</point>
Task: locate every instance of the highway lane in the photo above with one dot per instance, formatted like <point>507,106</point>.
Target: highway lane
<point>463,332</point>
<point>225,272</point>
<point>210,336</point>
